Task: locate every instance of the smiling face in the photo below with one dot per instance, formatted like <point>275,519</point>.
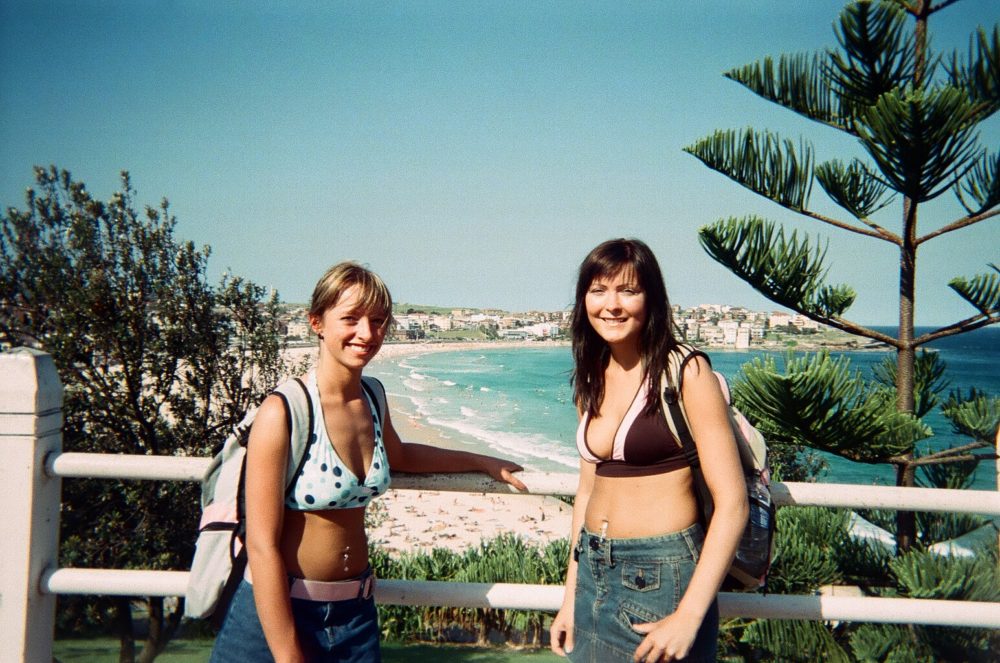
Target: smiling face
<point>349,333</point>
<point>616,307</point>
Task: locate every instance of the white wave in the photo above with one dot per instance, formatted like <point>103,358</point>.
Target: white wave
<point>468,411</point>
<point>417,376</point>
<point>523,447</point>
<point>410,384</point>
<point>448,383</point>
<point>485,389</point>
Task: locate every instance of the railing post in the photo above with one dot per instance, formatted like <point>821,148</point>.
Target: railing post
<point>31,398</point>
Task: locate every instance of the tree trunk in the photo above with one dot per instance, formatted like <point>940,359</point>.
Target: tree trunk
<point>906,521</point>
<point>126,634</point>
<point>906,354</point>
<point>906,528</point>
<point>162,628</point>
<point>154,639</point>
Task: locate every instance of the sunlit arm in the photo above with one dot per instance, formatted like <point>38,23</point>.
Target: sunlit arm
<point>720,464</point>
<point>561,630</point>
<point>267,454</point>
<point>426,459</point>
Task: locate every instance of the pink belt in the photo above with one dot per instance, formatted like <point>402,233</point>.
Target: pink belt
<point>337,590</point>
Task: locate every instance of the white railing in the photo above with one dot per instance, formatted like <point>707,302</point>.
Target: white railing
<point>32,466</point>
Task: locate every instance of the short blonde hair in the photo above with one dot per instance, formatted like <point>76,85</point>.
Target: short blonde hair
<point>373,294</point>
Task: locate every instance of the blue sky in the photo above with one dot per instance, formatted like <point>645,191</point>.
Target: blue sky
<point>469,152</point>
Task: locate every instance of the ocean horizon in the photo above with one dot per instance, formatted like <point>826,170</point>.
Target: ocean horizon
<point>517,401</point>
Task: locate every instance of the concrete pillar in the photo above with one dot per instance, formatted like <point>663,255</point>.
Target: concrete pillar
<point>31,398</point>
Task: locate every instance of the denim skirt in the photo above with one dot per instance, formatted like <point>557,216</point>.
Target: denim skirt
<point>622,582</point>
<point>329,631</point>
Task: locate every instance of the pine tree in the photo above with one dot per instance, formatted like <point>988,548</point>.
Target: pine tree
<point>916,115</point>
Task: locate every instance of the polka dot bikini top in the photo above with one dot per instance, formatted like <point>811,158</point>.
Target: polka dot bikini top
<point>325,482</point>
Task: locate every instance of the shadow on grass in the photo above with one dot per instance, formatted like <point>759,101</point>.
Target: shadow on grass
<point>105,650</point>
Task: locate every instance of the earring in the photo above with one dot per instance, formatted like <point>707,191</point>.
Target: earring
<point>320,336</point>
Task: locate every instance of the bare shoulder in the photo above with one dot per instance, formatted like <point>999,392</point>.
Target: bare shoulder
<point>270,426</point>
<point>698,371</point>
<point>700,387</point>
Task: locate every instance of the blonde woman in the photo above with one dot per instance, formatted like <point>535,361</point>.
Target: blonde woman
<point>307,595</point>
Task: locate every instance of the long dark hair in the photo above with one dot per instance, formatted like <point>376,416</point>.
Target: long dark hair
<point>590,352</point>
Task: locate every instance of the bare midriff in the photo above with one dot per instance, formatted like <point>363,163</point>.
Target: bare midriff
<point>635,507</point>
<point>325,545</point>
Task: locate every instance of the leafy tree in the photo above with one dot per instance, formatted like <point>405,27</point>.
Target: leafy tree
<point>154,360</point>
<point>915,114</point>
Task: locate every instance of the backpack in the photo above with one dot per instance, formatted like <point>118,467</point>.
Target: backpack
<point>220,556</point>
<point>753,556</point>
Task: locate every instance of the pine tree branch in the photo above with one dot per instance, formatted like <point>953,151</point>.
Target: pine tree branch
<point>853,328</point>
<point>877,231</point>
<point>964,458</point>
<point>948,453</point>
<point>970,323</point>
<point>942,5</point>
<point>956,225</point>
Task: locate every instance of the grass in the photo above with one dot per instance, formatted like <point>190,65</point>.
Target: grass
<point>105,650</point>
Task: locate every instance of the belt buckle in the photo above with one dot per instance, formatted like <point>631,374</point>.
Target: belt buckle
<point>365,587</point>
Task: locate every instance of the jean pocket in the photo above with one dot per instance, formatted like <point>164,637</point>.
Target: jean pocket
<point>631,614</point>
<point>641,576</point>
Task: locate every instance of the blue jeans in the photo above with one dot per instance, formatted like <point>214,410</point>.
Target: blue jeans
<point>621,582</point>
<point>335,631</point>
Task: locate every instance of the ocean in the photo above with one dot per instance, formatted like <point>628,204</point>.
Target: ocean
<point>517,402</point>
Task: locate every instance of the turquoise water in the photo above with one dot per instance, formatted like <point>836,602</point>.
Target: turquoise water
<point>517,402</point>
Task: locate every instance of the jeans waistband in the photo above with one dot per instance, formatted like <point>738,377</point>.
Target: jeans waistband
<point>361,587</point>
<point>684,543</point>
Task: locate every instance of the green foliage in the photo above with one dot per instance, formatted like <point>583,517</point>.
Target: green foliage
<point>922,140</point>
<point>787,270</point>
<point>957,475</point>
<point>798,84</point>
<point>788,458</point>
<point>980,185</point>
<point>506,558</point>
<point>924,575</point>
<point>779,640</point>
<point>978,74</point>
<point>893,643</point>
<point>762,162</point>
<point>805,555</point>
<point>918,123</point>
<point>937,527</point>
<point>982,291</point>
<point>877,54</point>
<point>853,187</point>
<point>822,404</point>
<point>153,359</point>
<point>888,643</point>
<point>881,86</point>
<point>977,415</point>
<point>928,379</point>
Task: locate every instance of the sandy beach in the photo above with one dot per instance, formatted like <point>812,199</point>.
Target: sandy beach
<point>410,521</point>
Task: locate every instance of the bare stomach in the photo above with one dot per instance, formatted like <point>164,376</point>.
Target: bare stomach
<point>636,507</point>
<point>325,545</point>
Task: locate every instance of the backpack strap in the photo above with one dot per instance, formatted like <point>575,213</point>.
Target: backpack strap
<point>300,418</point>
<point>376,391</point>
<point>673,405</point>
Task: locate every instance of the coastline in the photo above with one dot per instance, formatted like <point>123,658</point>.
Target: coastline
<point>413,521</point>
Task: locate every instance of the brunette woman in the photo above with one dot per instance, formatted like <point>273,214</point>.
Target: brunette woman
<point>308,593</point>
<point>643,575</point>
